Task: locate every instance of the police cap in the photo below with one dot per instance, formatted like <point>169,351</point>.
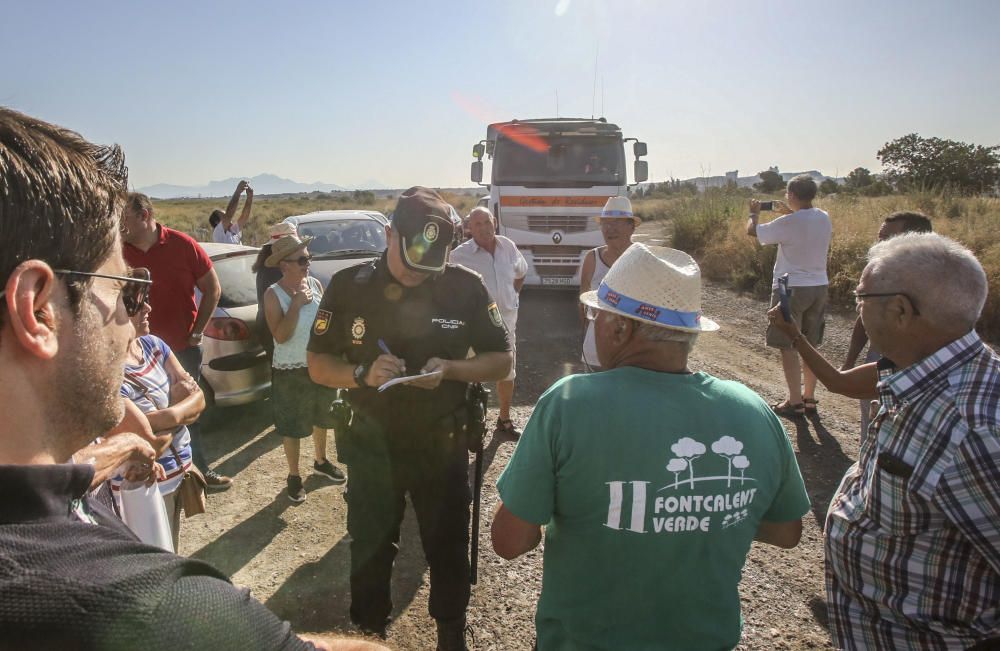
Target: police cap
<point>423,220</point>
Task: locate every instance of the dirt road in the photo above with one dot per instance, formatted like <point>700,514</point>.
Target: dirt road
<point>295,557</point>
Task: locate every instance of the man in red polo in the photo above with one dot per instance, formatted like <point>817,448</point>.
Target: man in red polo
<point>178,264</point>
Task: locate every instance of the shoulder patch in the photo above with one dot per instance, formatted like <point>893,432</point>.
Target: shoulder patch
<point>494,313</point>
<point>322,322</point>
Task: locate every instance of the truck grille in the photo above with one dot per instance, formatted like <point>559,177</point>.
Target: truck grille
<point>556,269</point>
<point>564,223</point>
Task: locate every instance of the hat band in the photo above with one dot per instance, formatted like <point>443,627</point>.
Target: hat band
<point>616,213</point>
<point>662,315</point>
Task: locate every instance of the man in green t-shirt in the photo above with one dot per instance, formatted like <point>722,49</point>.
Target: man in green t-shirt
<point>651,481</point>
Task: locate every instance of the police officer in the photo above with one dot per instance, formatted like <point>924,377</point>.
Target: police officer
<point>409,313</point>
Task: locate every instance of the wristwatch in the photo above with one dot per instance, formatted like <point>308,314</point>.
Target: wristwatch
<point>196,335</point>
<point>360,372</point>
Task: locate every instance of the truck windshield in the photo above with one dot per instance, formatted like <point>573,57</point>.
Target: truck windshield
<point>568,161</point>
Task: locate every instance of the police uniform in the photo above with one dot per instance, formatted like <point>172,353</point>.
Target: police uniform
<point>407,439</point>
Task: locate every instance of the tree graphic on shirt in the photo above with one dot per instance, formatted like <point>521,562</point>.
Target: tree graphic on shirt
<point>728,447</point>
<point>741,463</point>
<point>688,450</point>
<point>677,466</point>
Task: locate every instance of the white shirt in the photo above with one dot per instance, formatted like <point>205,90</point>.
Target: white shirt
<point>803,239</point>
<point>233,236</point>
<point>499,269</point>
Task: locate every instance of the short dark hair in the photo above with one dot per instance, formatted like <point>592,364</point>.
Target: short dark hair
<point>803,187</point>
<point>913,222</point>
<point>61,198</point>
<point>137,202</point>
<point>215,218</point>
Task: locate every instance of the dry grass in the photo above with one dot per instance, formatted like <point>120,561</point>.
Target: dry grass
<point>191,215</point>
<point>712,228</point>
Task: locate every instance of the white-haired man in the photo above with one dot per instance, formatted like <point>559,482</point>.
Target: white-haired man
<point>498,260</point>
<point>913,532</point>
<point>652,480</point>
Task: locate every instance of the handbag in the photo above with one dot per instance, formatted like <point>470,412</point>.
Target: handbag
<point>192,490</point>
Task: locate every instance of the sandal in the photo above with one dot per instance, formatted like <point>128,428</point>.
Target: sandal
<point>809,404</point>
<point>506,427</point>
<point>786,408</point>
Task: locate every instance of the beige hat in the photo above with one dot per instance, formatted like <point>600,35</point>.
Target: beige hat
<point>654,284</point>
<point>284,247</point>
<point>282,229</point>
<point>618,208</point>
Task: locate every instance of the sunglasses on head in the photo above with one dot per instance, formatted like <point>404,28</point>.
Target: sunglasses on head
<point>303,260</point>
<point>135,286</point>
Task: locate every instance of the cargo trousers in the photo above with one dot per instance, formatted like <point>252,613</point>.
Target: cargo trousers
<point>381,471</point>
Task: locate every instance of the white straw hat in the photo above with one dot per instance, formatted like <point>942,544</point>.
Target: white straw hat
<point>618,208</point>
<point>282,229</point>
<point>656,285</point>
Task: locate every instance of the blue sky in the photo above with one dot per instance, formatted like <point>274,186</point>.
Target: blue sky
<point>343,92</point>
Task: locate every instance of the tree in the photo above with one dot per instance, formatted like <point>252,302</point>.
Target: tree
<point>935,163</point>
<point>858,178</point>
<point>728,447</point>
<point>677,466</point>
<point>688,449</point>
<point>828,186</point>
<point>741,463</point>
<point>770,181</point>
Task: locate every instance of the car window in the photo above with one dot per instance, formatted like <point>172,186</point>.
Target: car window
<point>239,285</point>
<point>344,235</point>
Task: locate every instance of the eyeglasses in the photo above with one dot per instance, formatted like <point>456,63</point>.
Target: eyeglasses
<point>135,286</point>
<point>302,260</point>
<point>859,298</point>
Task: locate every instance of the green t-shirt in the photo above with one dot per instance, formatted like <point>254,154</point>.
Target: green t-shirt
<point>652,486</point>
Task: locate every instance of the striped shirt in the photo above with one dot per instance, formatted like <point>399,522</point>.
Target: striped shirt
<point>913,531</point>
<point>148,386</point>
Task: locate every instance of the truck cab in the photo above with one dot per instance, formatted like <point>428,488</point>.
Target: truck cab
<point>549,179</point>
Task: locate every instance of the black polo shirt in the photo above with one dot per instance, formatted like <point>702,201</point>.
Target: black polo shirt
<point>73,576</point>
<point>445,316</point>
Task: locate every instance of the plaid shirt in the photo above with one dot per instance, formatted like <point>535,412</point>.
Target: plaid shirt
<point>913,532</point>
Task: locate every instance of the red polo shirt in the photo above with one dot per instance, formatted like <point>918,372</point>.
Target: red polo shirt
<point>176,262</point>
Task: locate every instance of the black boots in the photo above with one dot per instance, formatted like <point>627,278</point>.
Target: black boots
<point>451,634</point>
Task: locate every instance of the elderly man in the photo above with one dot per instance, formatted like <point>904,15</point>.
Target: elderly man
<point>498,260</point>
<point>913,532</point>
<point>73,576</point>
<point>652,480</point>
<point>179,265</point>
<point>802,234</point>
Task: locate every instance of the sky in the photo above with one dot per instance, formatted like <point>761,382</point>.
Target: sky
<point>344,92</point>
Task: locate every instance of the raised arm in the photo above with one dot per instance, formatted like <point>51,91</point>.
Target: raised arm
<point>247,207</point>
<point>234,201</point>
<point>858,382</point>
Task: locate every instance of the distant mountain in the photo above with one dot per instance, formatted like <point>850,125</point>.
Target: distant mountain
<point>262,184</point>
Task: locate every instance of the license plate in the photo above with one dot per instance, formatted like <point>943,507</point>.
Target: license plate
<point>557,280</point>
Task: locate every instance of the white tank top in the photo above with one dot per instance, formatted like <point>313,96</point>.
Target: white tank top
<point>589,344</point>
<point>292,353</point>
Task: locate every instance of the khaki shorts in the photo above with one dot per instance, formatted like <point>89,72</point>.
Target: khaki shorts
<point>808,305</point>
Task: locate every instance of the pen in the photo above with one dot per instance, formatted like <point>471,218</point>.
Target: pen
<point>383,347</point>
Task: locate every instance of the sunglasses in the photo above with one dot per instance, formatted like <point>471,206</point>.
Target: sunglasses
<point>302,260</point>
<point>135,286</point>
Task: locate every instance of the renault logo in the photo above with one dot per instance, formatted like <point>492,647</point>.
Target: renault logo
<point>557,237</point>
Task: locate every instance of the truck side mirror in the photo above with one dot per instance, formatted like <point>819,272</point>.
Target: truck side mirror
<point>477,172</point>
<point>478,150</point>
<point>641,171</point>
<point>639,149</point>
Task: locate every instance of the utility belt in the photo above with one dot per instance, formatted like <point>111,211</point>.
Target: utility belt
<point>465,424</point>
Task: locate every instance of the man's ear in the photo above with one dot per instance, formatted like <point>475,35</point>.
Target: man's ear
<point>624,328</point>
<point>31,313</point>
<point>901,311</point>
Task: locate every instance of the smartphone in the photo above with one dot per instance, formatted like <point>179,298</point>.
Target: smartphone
<point>767,205</point>
<point>784,298</point>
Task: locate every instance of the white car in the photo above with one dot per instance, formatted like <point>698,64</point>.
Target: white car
<point>342,238</point>
<point>234,368</point>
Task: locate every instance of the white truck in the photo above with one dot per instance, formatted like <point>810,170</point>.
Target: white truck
<point>549,179</point>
